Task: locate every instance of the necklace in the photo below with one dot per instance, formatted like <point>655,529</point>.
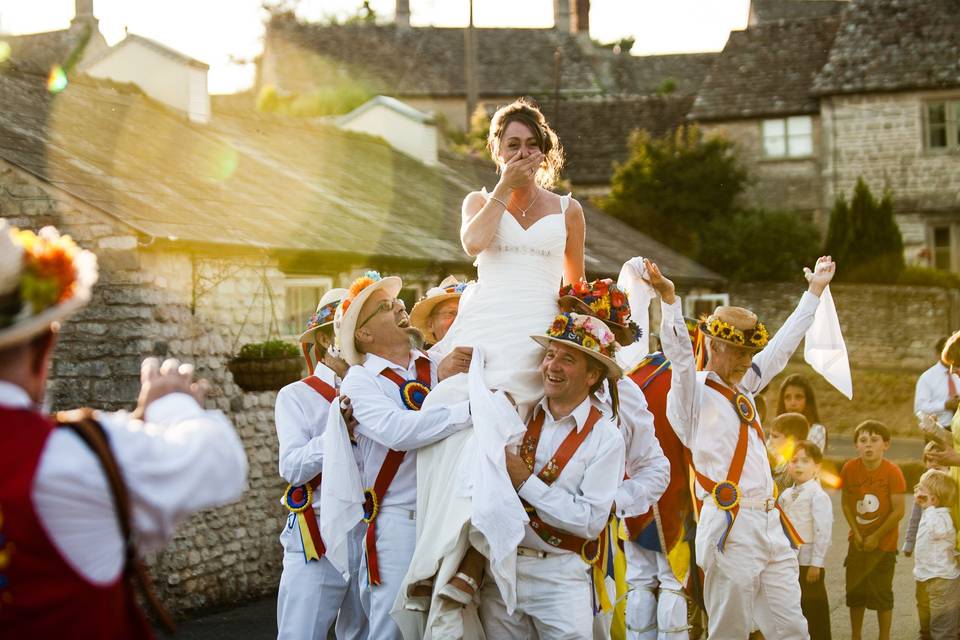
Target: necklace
<point>523,212</point>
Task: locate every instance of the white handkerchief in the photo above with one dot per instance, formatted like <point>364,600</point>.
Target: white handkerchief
<point>640,294</point>
<point>824,349</point>
<point>341,492</point>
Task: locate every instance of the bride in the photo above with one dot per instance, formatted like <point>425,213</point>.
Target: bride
<point>527,240</point>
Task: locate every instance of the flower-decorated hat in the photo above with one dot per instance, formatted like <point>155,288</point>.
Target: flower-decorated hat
<point>449,289</point>
<point>324,315</point>
<point>348,313</point>
<point>44,278</point>
<point>605,300</point>
<point>737,326</point>
<point>588,334</point>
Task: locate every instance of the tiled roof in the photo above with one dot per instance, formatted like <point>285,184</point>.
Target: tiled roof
<point>764,11</point>
<point>767,70</point>
<point>894,45</point>
<point>255,181</point>
<point>37,52</point>
<point>647,75</point>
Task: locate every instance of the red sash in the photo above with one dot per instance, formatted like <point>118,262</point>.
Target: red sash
<point>726,493</point>
<point>590,550</point>
<point>391,464</point>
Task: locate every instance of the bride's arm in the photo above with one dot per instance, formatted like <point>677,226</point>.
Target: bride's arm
<point>573,269</point>
<point>481,216</point>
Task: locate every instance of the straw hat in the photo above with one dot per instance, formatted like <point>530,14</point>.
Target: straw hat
<point>324,315</point>
<point>951,350</point>
<point>449,289</point>
<point>603,299</point>
<point>44,278</point>
<point>587,334</point>
<point>348,313</point>
<point>737,326</point>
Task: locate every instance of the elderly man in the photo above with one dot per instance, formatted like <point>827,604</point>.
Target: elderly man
<point>434,314</point>
<point>386,384</point>
<point>750,570</point>
<point>78,491</point>
<point>313,596</point>
<point>567,472</point>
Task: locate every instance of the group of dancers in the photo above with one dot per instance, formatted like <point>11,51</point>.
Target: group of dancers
<point>472,468</point>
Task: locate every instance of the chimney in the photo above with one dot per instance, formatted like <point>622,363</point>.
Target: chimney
<point>402,17</point>
<point>561,15</point>
<point>580,19</point>
<point>83,12</point>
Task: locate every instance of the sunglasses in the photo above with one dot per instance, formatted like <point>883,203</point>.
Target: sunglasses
<point>385,305</point>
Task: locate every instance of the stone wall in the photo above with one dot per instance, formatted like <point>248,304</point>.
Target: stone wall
<point>786,184</point>
<point>884,327</point>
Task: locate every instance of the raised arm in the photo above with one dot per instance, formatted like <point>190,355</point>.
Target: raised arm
<point>573,267</point>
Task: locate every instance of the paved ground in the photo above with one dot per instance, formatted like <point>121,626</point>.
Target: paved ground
<point>256,621</point>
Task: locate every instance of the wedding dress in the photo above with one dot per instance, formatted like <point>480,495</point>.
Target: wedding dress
<point>464,495</point>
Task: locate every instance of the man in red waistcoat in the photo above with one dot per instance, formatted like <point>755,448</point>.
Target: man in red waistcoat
<point>76,495</point>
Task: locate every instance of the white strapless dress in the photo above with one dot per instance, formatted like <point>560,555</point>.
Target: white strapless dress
<point>515,297</point>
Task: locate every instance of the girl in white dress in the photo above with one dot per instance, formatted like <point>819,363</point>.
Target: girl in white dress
<point>528,241</point>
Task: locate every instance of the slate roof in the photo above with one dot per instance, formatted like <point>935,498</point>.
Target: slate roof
<point>38,52</point>
<point>767,70</point>
<point>764,11</point>
<point>894,45</point>
<point>645,75</point>
<point>257,181</point>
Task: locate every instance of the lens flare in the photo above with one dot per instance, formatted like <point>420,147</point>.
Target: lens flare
<point>785,451</point>
<point>4,51</point>
<point>830,479</point>
<point>57,80</point>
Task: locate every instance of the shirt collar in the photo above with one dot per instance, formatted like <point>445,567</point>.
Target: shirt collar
<point>376,364</point>
<point>808,484</point>
<point>579,415</point>
<point>326,374</point>
<point>14,396</point>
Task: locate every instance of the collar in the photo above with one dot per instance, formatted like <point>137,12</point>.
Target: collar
<point>376,364</point>
<point>579,415</point>
<point>326,374</point>
<point>809,484</point>
<point>14,396</point>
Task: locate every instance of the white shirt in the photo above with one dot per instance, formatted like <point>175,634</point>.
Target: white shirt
<point>579,500</point>
<point>180,460</point>
<point>935,555</point>
<point>648,469</point>
<point>810,511</point>
<point>818,436</point>
<point>384,424</point>
<point>704,420</point>
<point>932,392</point>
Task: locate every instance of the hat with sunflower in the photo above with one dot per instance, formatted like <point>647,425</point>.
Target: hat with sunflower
<point>44,278</point>
<point>603,299</point>
<point>737,326</point>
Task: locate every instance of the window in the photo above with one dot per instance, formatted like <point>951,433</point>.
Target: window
<point>301,296</point>
<point>941,248</point>
<point>703,304</point>
<point>788,137</point>
<point>943,125</point>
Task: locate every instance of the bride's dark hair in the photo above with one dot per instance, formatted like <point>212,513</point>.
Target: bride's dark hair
<point>527,114</point>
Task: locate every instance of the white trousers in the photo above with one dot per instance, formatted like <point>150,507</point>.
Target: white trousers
<point>754,582</point>
<point>656,606</point>
<point>396,538</point>
<point>554,601</point>
<point>313,596</point>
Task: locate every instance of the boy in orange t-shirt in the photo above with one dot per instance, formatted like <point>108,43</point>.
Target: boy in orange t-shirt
<point>873,501</point>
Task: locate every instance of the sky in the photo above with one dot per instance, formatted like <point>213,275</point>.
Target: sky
<point>228,34</point>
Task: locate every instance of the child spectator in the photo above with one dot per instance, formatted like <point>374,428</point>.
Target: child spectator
<point>786,431</point>
<point>935,565</point>
<point>910,537</point>
<point>873,491</point>
<point>796,396</point>
<point>809,509</point>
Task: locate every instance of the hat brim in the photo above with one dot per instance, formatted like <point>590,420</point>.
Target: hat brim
<point>309,336</point>
<point>421,311</point>
<point>35,325</point>
<point>951,350</point>
<point>622,333</point>
<point>614,370</point>
<point>710,336</point>
<point>348,325</point>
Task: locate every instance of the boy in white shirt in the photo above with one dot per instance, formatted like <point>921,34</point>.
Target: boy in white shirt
<point>809,509</point>
<point>935,560</point>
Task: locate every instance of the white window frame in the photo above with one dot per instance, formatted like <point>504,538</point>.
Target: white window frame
<point>951,122</point>
<point>715,300</point>
<point>320,282</point>
<point>787,135</point>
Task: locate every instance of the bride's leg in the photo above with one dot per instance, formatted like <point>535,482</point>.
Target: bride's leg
<point>465,584</point>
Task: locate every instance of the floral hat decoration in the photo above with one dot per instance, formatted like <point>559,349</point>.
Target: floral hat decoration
<point>348,312</point>
<point>449,289</point>
<point>736,326</point>
<point>44,277</point>
<point>605,300</point>
<point>324,314</point>
<point>588,334</point>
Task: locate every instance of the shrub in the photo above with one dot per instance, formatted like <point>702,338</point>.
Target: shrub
<point>268,349</point>
<point>926,277</point>
<point>864,238</point>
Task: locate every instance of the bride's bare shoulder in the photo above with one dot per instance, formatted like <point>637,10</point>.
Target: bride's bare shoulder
<point>473,202</point>
<point>574,214</point>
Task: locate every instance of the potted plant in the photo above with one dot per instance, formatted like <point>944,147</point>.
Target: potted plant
<point>266,366</point>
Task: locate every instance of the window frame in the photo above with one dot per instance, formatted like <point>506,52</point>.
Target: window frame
<point>786,136</point>
<point>324,283</point>
<point>951,125</point>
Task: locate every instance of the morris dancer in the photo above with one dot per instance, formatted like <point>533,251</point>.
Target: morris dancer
<point>434,314</point>
<point>567,472</point>
<point>386,384</point>
<point>751,571</point>
<point>313,595</point>
<point>78,491</point>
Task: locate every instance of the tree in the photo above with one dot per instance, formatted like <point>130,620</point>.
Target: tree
<point>673,186</point>
<point>864,237</point>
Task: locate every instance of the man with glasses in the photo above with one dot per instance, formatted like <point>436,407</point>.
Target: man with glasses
<point>386,384</point>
